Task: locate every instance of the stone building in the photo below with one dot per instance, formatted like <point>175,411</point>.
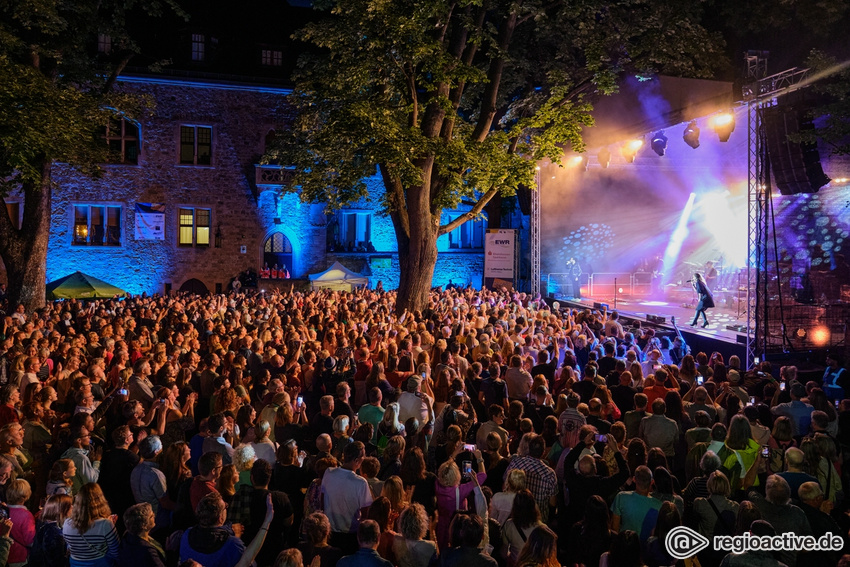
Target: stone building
<point>195,161</point>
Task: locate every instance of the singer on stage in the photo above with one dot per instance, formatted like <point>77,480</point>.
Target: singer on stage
<point>573,277</point>
<point>705,299</point>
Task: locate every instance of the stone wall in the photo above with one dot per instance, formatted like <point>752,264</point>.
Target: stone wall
<point>244,214</point>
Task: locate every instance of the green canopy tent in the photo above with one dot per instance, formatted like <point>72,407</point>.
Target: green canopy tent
<point>82,286</point>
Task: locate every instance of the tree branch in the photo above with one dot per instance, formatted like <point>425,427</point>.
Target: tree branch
<point>110,82</point>
<point>457,93</point>
<point>395,194</point>
<point>494,79</point>
<point>476,210</point>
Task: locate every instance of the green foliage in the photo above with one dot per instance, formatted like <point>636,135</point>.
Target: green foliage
<point>460,99</point>
<point>832,116</point>
<point>55,96</point>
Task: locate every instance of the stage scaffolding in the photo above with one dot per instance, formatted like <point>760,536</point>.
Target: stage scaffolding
<point>759,93</point>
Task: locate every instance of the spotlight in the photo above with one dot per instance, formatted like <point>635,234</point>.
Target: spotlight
<point>630,150</point>
<point>691,135</point>
<point>723,124</point>
<point>578,161</point>
<point>820,336</point>
<point>801,333</point>
<point>659,142</point>
<point>604,157</point>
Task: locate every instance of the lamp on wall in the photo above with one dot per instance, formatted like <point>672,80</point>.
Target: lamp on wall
<point>218,237</point>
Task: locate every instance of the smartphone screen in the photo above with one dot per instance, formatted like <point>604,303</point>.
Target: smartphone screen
<point>752,400</point>
<point>782,386</point>
<point>700,380</point>
<point>123,392</point>
<point>756,360</point>
<point>837,404</point>
<point>600,438</point>
<point>765,451</point>
<point>299,400</point>
<point>467,468</point>
<point>468,447</point>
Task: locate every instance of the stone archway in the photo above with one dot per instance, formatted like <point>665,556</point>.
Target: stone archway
<point>195,286</point>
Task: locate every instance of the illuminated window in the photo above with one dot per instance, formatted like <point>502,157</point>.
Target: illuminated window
<point>123,138</point>
<point>198,47</point>
<point>97,225</point>
<point>196,145</point>
<point>272,58</point>
<point>355,229</point>
<point>468,235</point>
<point>104,43</point>
<point>194,227</point>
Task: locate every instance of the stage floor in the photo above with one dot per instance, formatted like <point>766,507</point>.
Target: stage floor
<point>678,304</point>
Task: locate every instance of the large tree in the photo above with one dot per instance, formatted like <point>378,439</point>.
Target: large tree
<point>458,100</point>
<point>56,97</point>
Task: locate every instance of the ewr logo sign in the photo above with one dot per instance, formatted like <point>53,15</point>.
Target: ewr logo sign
<point>683,542</point>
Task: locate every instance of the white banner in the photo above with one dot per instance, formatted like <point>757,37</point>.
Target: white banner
<point>499,250</point>
<point>150,221</point>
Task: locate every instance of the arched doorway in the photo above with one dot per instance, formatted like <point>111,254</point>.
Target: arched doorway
<point>194,286</point>
<point>278,251</point>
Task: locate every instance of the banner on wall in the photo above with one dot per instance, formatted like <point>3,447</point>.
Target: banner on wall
<point>499,255</point>
<point>150,221</point>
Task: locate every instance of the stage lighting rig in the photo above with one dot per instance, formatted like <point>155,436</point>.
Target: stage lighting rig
<point>723,124</point>
<point>691,134</point>
<point>604,157</point>
<point>578,161</point>
<point>630,149</point>
<point>659,142</point>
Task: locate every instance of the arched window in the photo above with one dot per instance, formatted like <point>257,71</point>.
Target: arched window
<point>277,250</point>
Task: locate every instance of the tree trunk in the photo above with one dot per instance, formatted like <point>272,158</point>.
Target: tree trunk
<point>417,247</point>
<point>24,251</point>
<point>417,258</point>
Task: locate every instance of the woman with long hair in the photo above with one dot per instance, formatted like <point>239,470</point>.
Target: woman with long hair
<point>174,464</point>
<point>226,484</point>
<point>60,478</point>
<point>418,481</point>
<point>688,369</point>
<point>393,490</point>
<point>656,553</point>
<point>90,530</point>
<point>381,512</point>
<point>524,517</point>
<point>739,451</point>
<point>441,390</point>
<point>48,547</point>
<point>590,537</point>
<point>245,418</point>
<point>540,550</point>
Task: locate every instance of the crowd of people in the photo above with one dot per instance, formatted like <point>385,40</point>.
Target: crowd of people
<point>325,428</point>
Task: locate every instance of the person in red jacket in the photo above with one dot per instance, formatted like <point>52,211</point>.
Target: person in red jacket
<point>10,396</point>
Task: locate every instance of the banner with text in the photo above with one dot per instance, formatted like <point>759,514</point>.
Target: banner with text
<point>150,221</point>
<point>499,255</point>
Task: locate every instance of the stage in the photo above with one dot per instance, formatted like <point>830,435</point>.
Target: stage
<point>726,331</point>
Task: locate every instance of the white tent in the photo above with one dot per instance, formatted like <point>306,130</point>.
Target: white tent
<point>338,277</point>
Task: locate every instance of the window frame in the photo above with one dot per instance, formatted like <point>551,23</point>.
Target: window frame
<point>271,57</point>
<point>195,144</point>
<point>199,47</point>
<point>194,226</point>
<point>344,222</point>
<point>104,43</point>
<point>106,206</point>
<point>123,138</point>
<point>480,222</point>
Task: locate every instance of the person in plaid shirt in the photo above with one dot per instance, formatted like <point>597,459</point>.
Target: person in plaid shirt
<point>540,478</point>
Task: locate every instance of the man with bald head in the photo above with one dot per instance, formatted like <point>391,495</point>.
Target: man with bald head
<point>794,474</point>
<point>775,507</point>
<point>585,482</point>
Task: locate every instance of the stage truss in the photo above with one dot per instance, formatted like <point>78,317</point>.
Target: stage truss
<point>760,93</point>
